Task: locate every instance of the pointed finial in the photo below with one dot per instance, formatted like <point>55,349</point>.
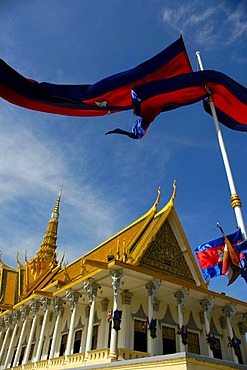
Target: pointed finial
<point>158,198</point>
<point>55,213</point>
<point>219,226</point>
<point>174,190</point>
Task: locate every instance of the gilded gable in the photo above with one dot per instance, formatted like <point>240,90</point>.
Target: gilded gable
<point>164,256</point>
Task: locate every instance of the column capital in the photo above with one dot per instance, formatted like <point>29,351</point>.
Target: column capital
<point>15,316</point>
<point>24,310</point>
<point>91,289</point>
<point>34,307</point>
<point>207,305</point>
<point>73,298</point>
<point>181,296</point>
<point>45,302</point>
<point>7,321</point>
<point>126,297</point>
<point>153,287</point>
<point>230,311</point>
<point>57,306</point>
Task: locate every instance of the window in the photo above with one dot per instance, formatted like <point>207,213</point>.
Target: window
<point>140,336</point>
<point>77,341</point>
<point>95,336</point>
<point>41,352</point>
<point>31,352</point>
<point>13,357</point>
<point>193,343</point>
<point>217,350</point>
<point>63,344</point>
<point>49,348</point>
<point>169,340</point>
<point>22,355</point>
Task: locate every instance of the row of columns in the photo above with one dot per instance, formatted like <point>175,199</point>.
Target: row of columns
<point>91,288</point>
<point>207,305</point>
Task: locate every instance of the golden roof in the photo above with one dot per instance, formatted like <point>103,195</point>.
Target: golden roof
<point>150,243</point>
<point>154,244</point>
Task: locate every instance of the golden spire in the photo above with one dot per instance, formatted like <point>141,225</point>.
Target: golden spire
<point>46,257</point>
<point>55,213</point>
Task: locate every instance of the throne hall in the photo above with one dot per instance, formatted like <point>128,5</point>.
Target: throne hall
<point>136,301</point>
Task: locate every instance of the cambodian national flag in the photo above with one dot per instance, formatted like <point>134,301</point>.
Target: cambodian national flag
<point>210,255</point>
<point>152,98</point>
<point>241,249</point>
<point>110,95</point>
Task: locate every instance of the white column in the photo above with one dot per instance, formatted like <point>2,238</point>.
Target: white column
<point>207,305</point>
<point>124,337</point>
<point>229,312</point>
<point>152,287</point>
<point>85,330</point>
<point>58,309</point>
<point>116,276</point>
<point>24,314</point>
<point>91,289</point>
<point>243,346</point>
<point>15,319</point>
<point>6,320</point>
<point>157,341</point>
<point>104,332</point>
<point>73,298</point>
<point>34,307</point>
<point>45,304</point>
<point>181,296</point>
<point>2,331</point>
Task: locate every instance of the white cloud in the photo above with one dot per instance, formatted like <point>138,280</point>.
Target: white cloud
<point>208,25</point>
<point>32,169</point>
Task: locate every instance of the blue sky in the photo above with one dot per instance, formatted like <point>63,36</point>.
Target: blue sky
<point>109,181</point>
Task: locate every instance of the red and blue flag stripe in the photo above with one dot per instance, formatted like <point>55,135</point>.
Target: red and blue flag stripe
<point>111,94</point>
<point>210,254</point>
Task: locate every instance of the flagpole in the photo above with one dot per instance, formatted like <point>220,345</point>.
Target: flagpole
<point>235,199</point>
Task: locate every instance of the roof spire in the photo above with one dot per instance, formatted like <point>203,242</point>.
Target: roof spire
<point>55,213</point>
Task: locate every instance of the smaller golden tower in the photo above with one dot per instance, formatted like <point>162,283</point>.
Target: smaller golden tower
<point>45,260</point>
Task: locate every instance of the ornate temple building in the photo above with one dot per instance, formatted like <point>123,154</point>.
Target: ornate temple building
<point>138,300</point>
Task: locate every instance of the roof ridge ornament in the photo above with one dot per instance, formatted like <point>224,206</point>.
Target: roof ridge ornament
<point>158,198</point>
<point>174,190</point>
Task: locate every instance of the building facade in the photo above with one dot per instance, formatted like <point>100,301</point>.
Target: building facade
<point>138,300</point>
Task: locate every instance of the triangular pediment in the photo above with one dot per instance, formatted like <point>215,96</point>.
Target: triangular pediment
<point>165,256</point>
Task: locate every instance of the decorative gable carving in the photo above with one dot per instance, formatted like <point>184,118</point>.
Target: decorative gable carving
<point>164,256</point>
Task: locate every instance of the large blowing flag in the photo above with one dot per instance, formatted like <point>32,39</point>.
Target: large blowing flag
<point>110,95</point>
<point>152,98</point>
<point>213,259</point>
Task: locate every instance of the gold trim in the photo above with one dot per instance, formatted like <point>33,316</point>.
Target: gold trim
<point>235,201</point>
